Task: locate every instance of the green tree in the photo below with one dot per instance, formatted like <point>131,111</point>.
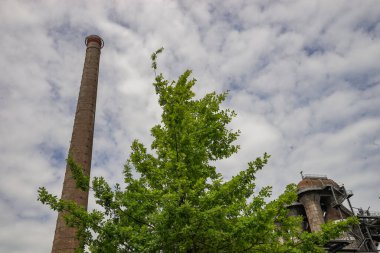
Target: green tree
<point>178,202</point>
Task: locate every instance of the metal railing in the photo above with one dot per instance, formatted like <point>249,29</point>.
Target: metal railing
<point>314,176</point>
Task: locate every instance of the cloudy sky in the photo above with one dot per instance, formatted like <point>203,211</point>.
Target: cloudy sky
<point>304,78</point>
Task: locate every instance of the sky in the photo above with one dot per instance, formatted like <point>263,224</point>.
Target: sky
<point>303,76</point>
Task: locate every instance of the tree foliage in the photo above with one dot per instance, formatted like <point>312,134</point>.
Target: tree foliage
<point>178,202</point>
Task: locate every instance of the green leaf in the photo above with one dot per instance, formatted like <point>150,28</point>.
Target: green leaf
<point>82,181</point>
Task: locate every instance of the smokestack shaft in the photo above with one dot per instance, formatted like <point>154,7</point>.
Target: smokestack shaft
<point>81,143</point>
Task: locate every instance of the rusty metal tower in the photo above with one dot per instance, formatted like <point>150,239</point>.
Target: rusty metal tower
<point>320,199</point>
<point>81,143</point>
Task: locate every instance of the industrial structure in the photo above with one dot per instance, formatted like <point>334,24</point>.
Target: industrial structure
<point>81,143</point>
<point>320,199</point>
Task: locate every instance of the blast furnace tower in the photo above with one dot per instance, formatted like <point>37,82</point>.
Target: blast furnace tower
<point>320,200</point>
<point>81,143</point>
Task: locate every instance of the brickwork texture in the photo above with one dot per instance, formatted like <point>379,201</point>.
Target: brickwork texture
<point>81,144</point>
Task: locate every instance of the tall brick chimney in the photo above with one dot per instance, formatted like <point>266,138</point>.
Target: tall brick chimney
<point>81,143</point>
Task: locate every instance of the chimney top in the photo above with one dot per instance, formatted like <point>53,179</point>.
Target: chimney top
<point>94,38</point>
